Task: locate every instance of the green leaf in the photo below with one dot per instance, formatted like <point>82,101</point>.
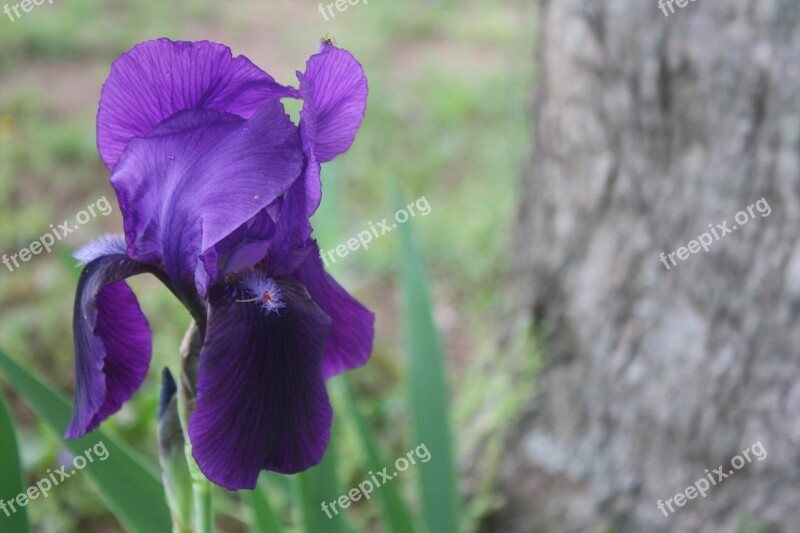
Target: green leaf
<point>396,515</point>
<point>265,519</point>
<point>317,485</point>
<point>132,491</point>
<point>428,395</point>
<point>10,474</point>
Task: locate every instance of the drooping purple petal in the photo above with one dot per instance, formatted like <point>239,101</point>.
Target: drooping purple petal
<point>112,341</point>
<point>157,79</point>
<point>334,91</point>
<point>198,177</point>
<point>261,400</point>
<point>349,343</point>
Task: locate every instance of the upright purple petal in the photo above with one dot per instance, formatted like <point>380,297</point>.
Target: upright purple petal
<point>198,177</point>
<point>244,247</point>
<point>334,90</point>
<point>278,238</point>
<point>112,341</point>
<point>349,343</point>
<point>261,398</point>
<point>157,79</point>
<point>292,241</point>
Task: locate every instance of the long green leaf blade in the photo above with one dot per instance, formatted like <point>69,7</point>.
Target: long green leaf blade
<point>130,489</point>
<point>317,485</point>
<point>396,515</point>
<point>264,516</point>
<point>10,473</point>
<point>427,389</point>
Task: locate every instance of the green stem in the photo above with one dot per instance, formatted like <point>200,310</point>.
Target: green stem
<point>178,528</point>
<point>201,487</point>
<point>203,505</point>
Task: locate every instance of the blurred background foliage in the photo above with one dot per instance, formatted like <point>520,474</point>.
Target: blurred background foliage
<point>446,120</point>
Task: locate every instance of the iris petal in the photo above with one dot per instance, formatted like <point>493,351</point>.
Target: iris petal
<point>198,177</point>
<point>242,248</point>
<point>157,79</point>
<point>292,241</point>
<point>334,90</point>
<point>112,341</point>
<point>349,343</point>
<point>261,400</point>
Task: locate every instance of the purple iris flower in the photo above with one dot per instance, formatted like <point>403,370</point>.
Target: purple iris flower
<point>216,186</point>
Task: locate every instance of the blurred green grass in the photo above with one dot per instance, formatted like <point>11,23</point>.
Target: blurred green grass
<point>446,120</point>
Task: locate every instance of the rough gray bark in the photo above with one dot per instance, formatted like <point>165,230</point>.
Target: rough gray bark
<point>647,129</point>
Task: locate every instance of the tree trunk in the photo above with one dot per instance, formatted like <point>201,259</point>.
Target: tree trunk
<point>651,130</point>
